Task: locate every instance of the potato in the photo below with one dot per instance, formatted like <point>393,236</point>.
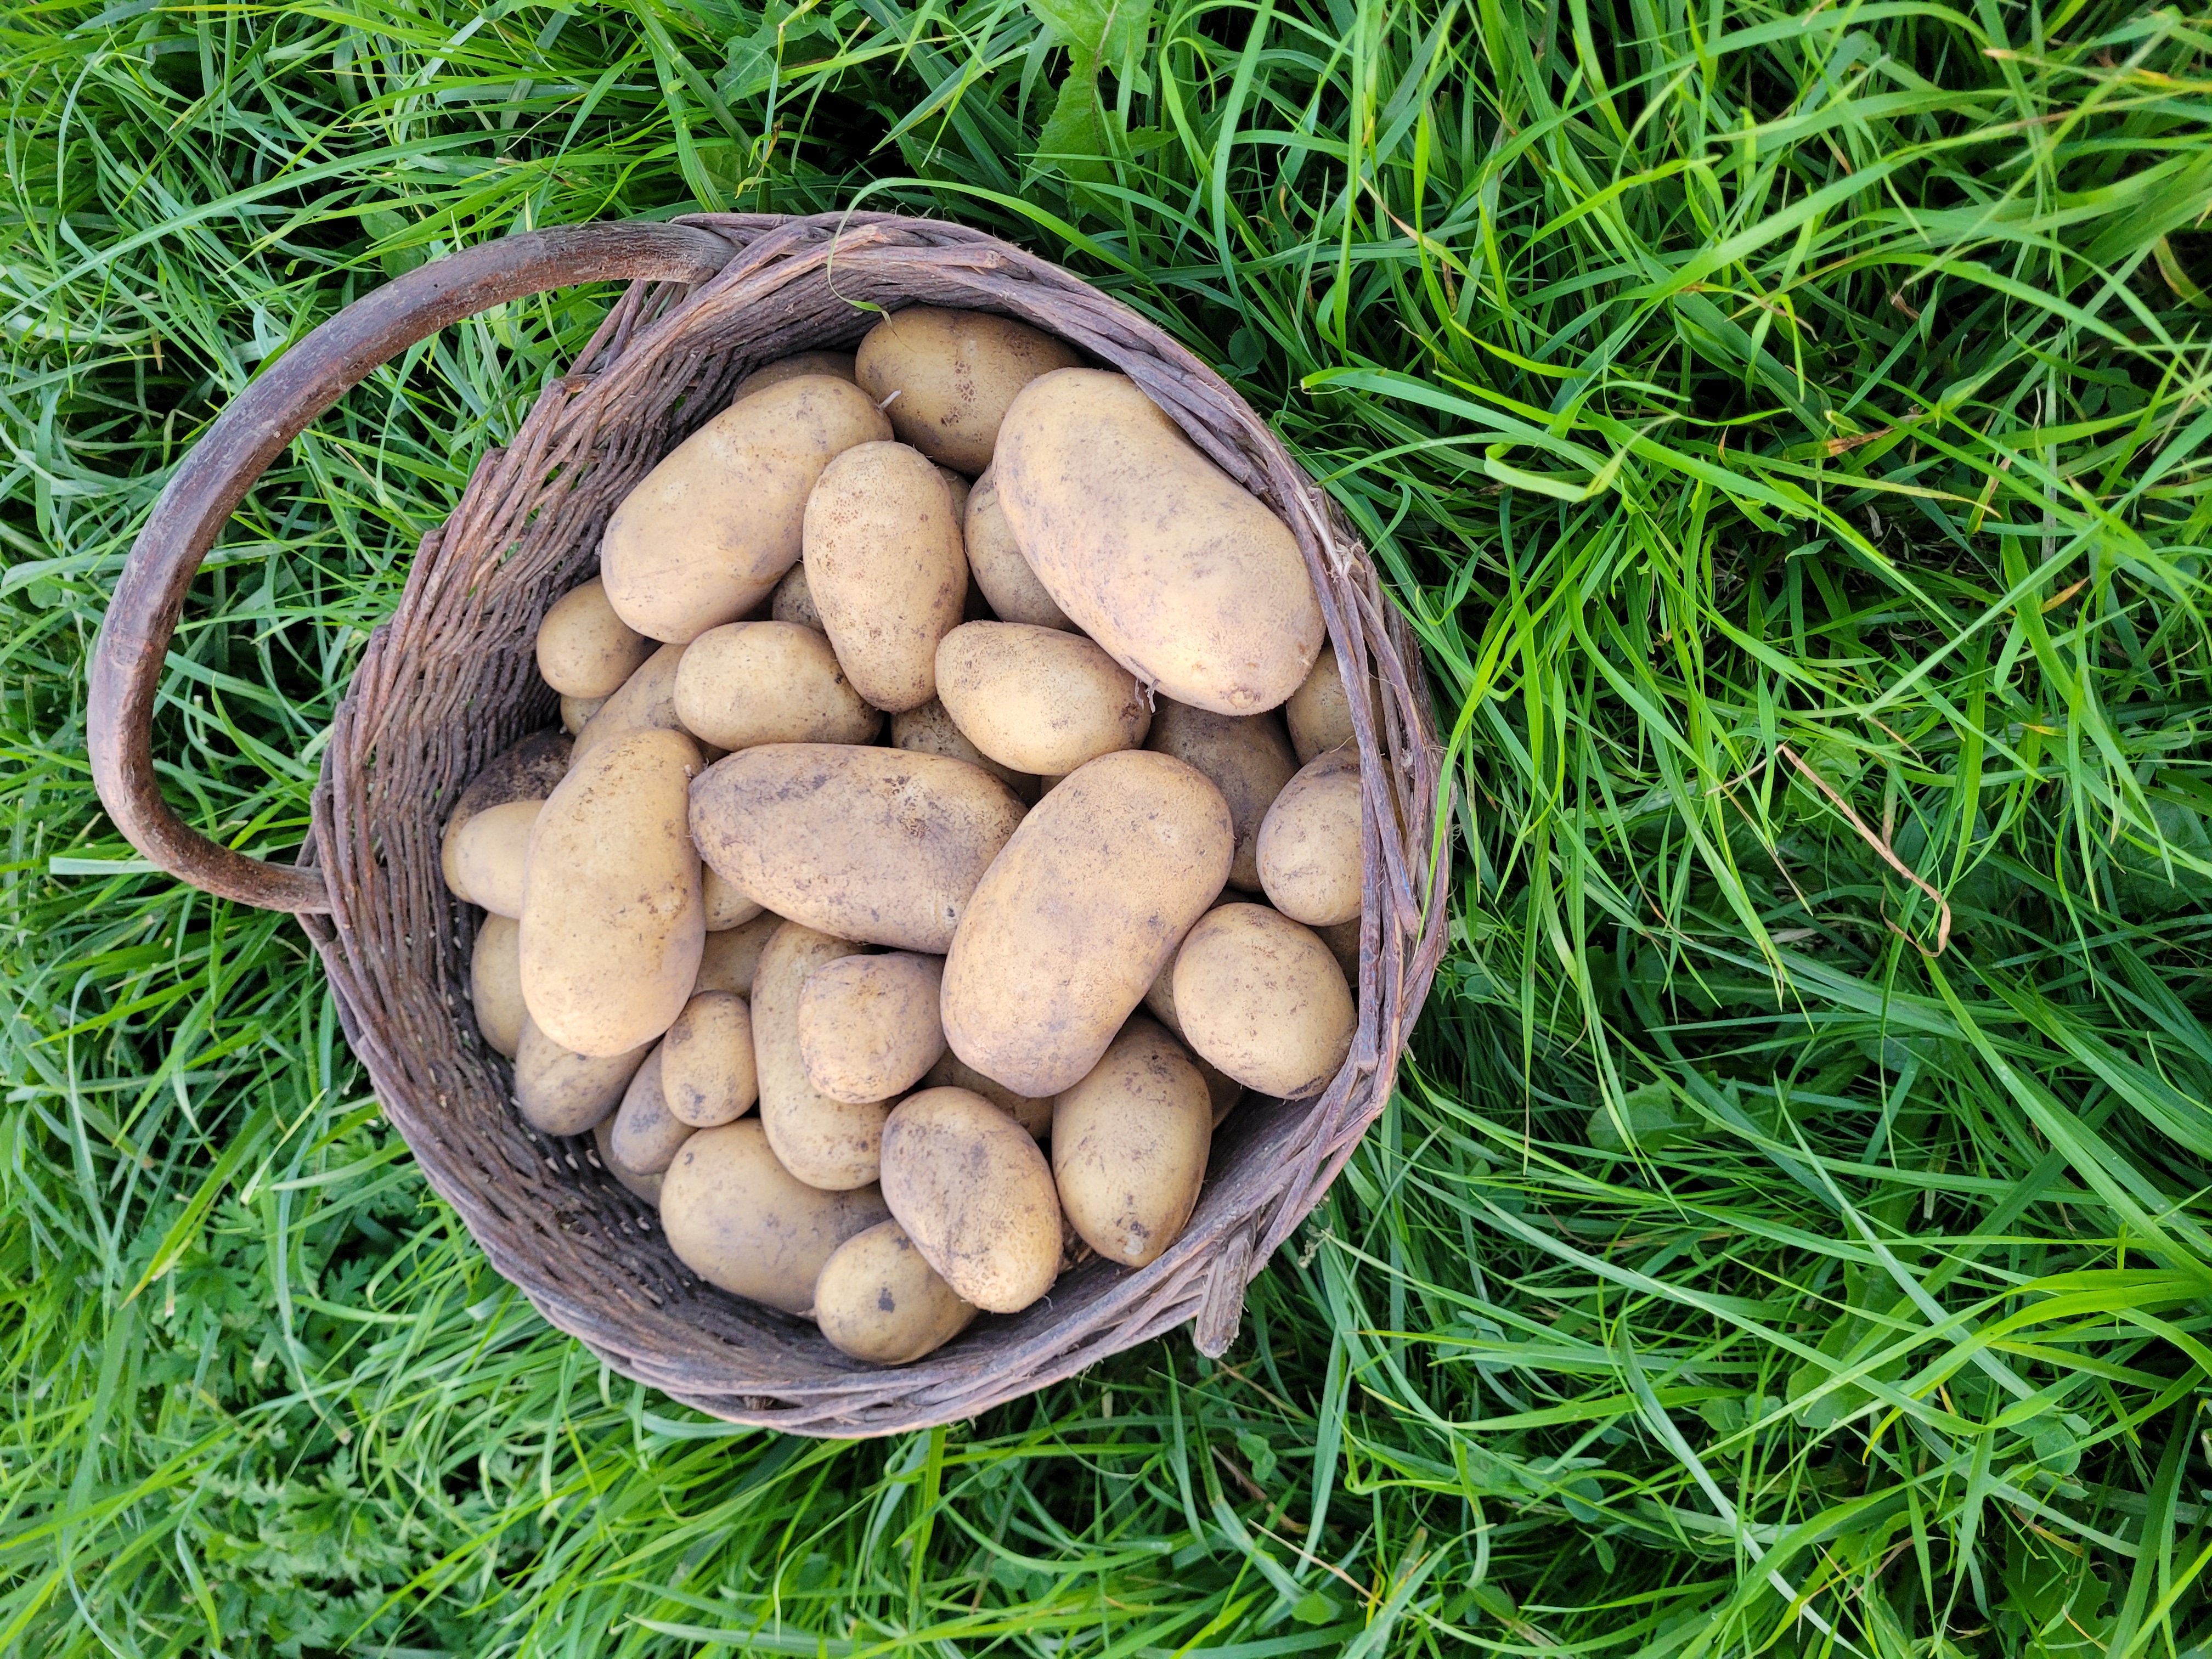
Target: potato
<point>879,845</point>
<point>709,533</point>
<point>708,1075</point>
<point>1319,713</point>
<point>646,1134</point>
<point>1309,859</point>
<point>733,956</point>
<point>584,649</point>
<point>1038,700</point>
<point>1261,997</point>
<point>868,1026</point>
<point>563,1092</point>
<point>576,713</point>
<point>994,559</point>
<point>949,376</point>
<point>837,364</point>
<point>751,682</point>
<point>794,601</point>
<point>1343,942</point>
<point>956,488</point>
<point>490,853</point>
<point>647,1186</point>
<point>1223,1090</point>
<point>1247,758</point>
<point>495,983</point>
<point>976,1195</point>
<point>1188,580</point>
<point>739,1220</point>
<point>527,771</point>
<point>830,1143</point>
<point>1129,1144</point>
<point>726,907</point>
<point>877,1300</point>
<point>612,923</point>
<point>1068,926</point>
<point>885,570</point>
<point>951,1072</point>
<point>931,730</point>
<point>645,702</point>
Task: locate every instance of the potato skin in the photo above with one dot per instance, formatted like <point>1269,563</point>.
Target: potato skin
<point>794,601</point>
<point>640,1185</point>
<point>879,845</point>
<point>1187,579</point>
<point>1249,759</point>
<point>576,713</point>
<point>931,730</point>
<point>951,1072</point>
<point>495,983</point>
<point>1070,924</point>
<point>868,1026</point>
<point>612,922</point>
<point>1319,712</point>
<point>1129,1144</point>
<point>885,570</point>
<point>830,1143</point>
<point>976,1195</point>
<point>708,1076</point>
<point>995,560</point>
<point>726,908</point>
<point>954,373</point>
<point>584,649</point>
<point>741,1221</point>
<point>491,852</point>
<point>645,1134</point>
<point>956,489</point>
<point>836,364</point>
<point>879,1301</point>
<point>1310,863</point>
<point>750,683</point>
<point>562,1093</point>
<point>1261,998</point>
<point>645,703</point>
<point>731,957</point>
<point>1038,700</point>
<point>527,771</point>
<point>707,534</point>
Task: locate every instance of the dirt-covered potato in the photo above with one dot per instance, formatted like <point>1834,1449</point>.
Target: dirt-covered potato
<point>1186,579</point>
<point>490,853</point>
<point>837,364</point>
<point>731,957</point>
<point>877,1300</point>
<point>830,1143</point>
<point>740,1220</point>
<point>708,1075</point>
<point>1309,860</point>
<point>880,845</point>
<point>640,1185</point>
<point>1319,712</point>
<point>950,1072</point>
<point>885,570</point>
<point>949,375</point>
<point>1129,1144</point>
<point>495,983</point>
<point>584,649</point>
<point>868,1026</point>
<point>1037,699</point>
<point>527,771</point>
<point>751,682</point>
<point>726,908</point>
<point>576,713</point>
<point>709,533</point>
<point>1222,1089</point>
<point>646,1134</point>
<point>931,730</point>
<point>1068,926</point>
<point>1261,997</point>
<point>994,559</point>
<point>612,922</point>
<point>562,1093</point>
<point>976,1195</point>
<point>645,703</point>
<point>1246,757</point>
<point>794,601</point>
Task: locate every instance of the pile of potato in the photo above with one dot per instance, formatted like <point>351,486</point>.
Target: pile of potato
<point>932,818</point>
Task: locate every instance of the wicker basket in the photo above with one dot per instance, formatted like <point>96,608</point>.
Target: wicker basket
<point>451,680</point>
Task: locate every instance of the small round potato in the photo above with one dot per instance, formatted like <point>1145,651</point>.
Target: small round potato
<point>1261,998</point>
<point>646,1134</point>
<point>931,730</point>
<point>731,957</point>
<point>749,683</point>
<point>490,851</point>
<point>1309,859</point>
<point>645,703</point>
<point>527,771</point>
<point>794,601</point>
<point>576,713</point>
<point>1319,713</point>
<point>831,1144</point>
<point>708,1075</point>
<point>584,649</point>
<point>1037,699</point>
<point>994,559</point>
<point>1247,758</point>
<point>868,1026</point>
<point>877,1300</point>
<point>838,364</point>
<point>640,1185</point>
<point>976,1195</point>
<point>726,908</point>
<point>1129,1144</point>
<point>562,1093</point>
<point>885,570</point>
<point>495,983</point>
<point>738,1218</point>
<point>949,375</point>
<point>951,1072</point>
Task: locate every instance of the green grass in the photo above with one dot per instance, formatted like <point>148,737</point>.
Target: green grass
<point>1788,429</point>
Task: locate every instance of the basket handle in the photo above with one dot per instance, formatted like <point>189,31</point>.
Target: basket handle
<point>261,421</point>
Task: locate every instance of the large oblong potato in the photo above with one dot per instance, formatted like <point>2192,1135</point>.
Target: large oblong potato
<point>708,1074</point>
<point>878,1300</point>
<point>884,569</point>
<point>1309,859</point>
<point>880,845</point>
<point>994,559</point>
<point>645,1133</point>
<point>1067,928</point>
<point>1261,997</point>
<point>584,649</point>
<point>1246,757</point>
<point>1038,700</point>
<point>646,702</point>
<point>707,534</point>
<point>976,1195</point>
<point>1187,578</point>
<point>949,375</point>
<point>563,1092</point>
<point>495,983</point>
<point>742,1222</point>
<point>750,683</point>
<point>491,852</point>
<point>1129,1144</point>
<point>612,922</point>
<point>1319,712</point>
<point>527,771</point>
<point>868,1026</point>
<point>831,1144</point>
<point>836,364</point>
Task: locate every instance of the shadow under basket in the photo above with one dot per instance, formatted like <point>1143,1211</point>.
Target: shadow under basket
<point>451,680</point>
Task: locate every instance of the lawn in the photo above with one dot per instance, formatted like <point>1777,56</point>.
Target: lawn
<point>1788,430</point>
